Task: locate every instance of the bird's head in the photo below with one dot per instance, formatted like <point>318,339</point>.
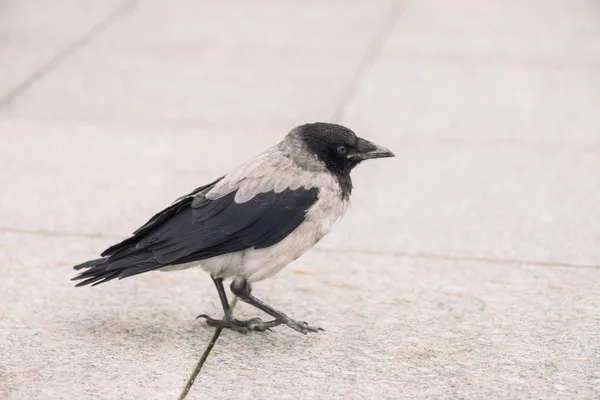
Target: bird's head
<point>337,146</point>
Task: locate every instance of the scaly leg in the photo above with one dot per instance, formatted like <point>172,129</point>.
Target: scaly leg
<point>243,290</point>
<point>229,321</point>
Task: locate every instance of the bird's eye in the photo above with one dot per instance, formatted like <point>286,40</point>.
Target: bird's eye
<point>342,149</point>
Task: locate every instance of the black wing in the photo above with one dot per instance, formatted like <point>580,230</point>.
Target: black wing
<point>196,228</point>
<point>161,217</point>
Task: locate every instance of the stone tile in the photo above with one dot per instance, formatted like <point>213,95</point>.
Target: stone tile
<point>402,328</point>
<point>166,63</point>
<point>445,197</point>
<point>490,108</point>
<point>554,34</point>
<point>206,90</point>
<point>129,339</point>
<point>22,64</point>
<point>468,199</point>
<point>457,100</point>
<point>30,35</point>
<point>36,20</point>
<point>264,24</point>
<point>507,71</point>
<point>105,179</point>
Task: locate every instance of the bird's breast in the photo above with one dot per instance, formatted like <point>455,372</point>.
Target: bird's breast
<point>326,212</point>
<point>259,264</point>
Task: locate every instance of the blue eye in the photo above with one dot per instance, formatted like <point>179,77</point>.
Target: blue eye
<point>342,150</point>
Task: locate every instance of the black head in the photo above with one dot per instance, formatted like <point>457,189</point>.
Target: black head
<point>338,147</point>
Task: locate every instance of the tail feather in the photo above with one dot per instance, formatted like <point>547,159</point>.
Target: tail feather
<point>89,264</point>
<point>98,279</point>
<point>107,268</point>
<point>133,256</point>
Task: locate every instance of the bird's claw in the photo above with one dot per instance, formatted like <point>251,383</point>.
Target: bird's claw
<point>257,324</point>
<point>302,326</point>
<point>253,324</point>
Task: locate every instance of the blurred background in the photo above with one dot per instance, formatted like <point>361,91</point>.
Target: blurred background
<point>492,109</point>
<point>109,110</point>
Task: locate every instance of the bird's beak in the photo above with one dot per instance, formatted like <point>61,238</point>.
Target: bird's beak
<point>368,150</point>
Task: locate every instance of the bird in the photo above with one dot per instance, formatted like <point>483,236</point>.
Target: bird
<point>247,225</point>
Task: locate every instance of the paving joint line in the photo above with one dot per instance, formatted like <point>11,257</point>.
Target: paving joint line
<point>396,9</point>
<point>431,256</point>
<point>188,386</point>
<point>190,382</point>
<point>527,62</point>
<point>71,49</point>
<point>448,257</point>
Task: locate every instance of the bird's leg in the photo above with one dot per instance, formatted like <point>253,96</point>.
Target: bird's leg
<point>223,297</point>
<point>243,290</point>
<point>229,321</point>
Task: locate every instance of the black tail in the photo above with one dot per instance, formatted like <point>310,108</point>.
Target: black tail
<point>108,268</point>
<point>133,255</point>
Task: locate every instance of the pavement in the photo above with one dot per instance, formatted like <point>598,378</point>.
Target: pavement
<point>467,268</point>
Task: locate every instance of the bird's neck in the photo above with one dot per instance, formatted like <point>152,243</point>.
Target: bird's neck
<point>345,183</point>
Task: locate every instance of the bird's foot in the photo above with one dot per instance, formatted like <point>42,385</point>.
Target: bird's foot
<point>241,326</point>
<point>300,326</point>
<point>257,324</point>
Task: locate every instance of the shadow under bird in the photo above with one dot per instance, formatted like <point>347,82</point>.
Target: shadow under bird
<point>249,224</point>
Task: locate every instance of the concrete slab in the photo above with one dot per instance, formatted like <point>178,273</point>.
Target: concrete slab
<point>212,71</point>
<point>452,198</point>
<point>432,98</point>
<point>104,179</point>
<point>523,71</point>
<point>134,339</point>
<point>262,25</point>
<point>406,328</point>
<point>472,199</point>
<point>32,33</point>
<point>490,108</point>
<point>552,34</point>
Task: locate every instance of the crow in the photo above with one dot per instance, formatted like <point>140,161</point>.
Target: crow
<point>249,224</point>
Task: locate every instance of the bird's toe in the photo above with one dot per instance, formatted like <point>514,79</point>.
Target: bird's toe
<point>256,324</point>
<point>234,325</point>
<point>302,327</point>
<point>210,321</point>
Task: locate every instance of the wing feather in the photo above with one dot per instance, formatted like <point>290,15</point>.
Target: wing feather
<point>259,222</point>
<point>196,228</point>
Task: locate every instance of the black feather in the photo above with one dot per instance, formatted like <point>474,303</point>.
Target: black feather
<point>160,217</point>
<point>196,228</point>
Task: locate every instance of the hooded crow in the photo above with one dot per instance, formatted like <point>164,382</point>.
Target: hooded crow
<point>249,224</point>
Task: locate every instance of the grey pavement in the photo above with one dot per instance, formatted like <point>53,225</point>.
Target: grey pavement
<point>467,267</point>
